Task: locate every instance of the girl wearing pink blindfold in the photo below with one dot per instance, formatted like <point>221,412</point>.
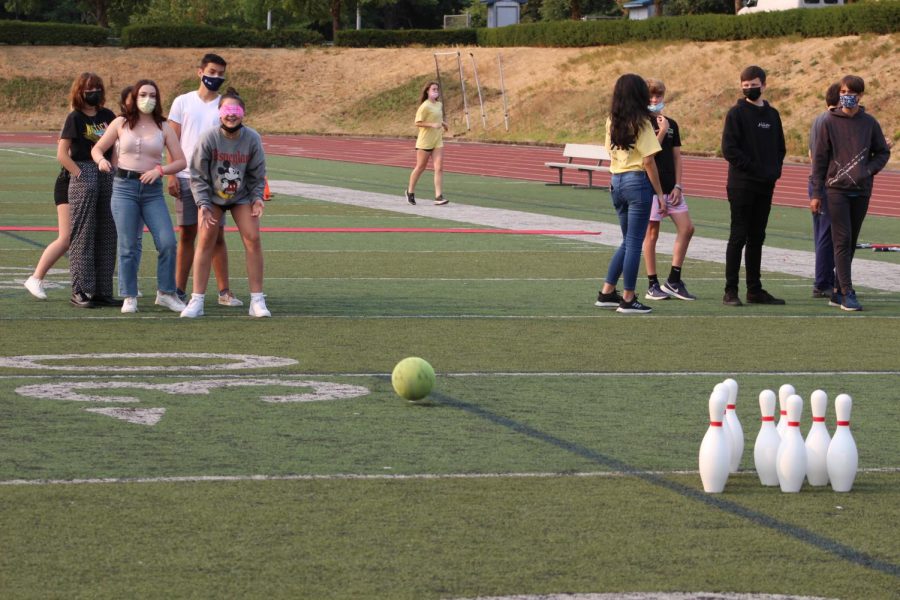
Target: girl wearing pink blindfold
<point>228,172</point>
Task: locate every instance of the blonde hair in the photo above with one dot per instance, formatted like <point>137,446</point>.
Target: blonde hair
<point>657,87</point>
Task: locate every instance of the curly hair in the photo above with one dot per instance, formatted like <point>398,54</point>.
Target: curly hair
<point>628,112</point>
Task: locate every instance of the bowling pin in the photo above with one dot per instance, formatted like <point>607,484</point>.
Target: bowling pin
<point>765,450</point>
<point>783,393</point>
<point>843,458</point>
<point>817,440</point>
<point>734,425</point>
<point>791,460</point>
<point>721,388</point>
<point>715,450</point>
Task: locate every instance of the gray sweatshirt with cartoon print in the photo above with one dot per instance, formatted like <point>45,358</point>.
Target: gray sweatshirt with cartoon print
<point>227,171</point>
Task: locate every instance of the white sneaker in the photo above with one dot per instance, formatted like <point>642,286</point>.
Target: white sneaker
<point>129,305</point>
<point>170,301</point>
<point>194,308</point>
<point>258,308</point>
<point>228,299</point>
<point>36,287</point>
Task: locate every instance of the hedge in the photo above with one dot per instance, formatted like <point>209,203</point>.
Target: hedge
<point>204,36</point>
<point>384,38</point>
<point>20,33</point>
<point>853,19</point>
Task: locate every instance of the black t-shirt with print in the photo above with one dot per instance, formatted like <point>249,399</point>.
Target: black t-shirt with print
<point>84,131</point>
<point>665,160</point>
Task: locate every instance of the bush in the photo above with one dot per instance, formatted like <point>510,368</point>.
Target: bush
<point>204,36</point>
<point>854,19</point>
<point>394,38</point>
<point>18,33</point>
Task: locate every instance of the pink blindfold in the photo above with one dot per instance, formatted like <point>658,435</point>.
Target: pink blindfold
<point>227,110</point>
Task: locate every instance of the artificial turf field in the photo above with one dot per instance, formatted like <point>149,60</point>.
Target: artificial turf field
<point>556,454</point>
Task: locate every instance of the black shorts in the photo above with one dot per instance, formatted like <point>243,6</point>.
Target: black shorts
<point>61,188</point>
<point>425,149</point>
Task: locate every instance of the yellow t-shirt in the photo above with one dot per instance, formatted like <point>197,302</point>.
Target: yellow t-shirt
<point>430,137</point>
<point>622,161</point>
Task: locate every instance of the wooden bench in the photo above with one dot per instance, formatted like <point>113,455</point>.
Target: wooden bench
<point>598,154</point>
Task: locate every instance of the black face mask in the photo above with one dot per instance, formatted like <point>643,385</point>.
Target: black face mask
<point>92,98</point>
<point>752,94</point>
<point>231,129</point>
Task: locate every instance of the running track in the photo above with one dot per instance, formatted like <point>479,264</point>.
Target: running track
<point>703,177</point>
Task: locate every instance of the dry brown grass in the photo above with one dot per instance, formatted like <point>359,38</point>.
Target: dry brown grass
<point>555,95</point>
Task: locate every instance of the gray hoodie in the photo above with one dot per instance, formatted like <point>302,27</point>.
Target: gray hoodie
<point>849,151</point>
<point>227,171</point>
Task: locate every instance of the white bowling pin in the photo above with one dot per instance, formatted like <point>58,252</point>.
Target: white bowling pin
<point>817,441</point>
<point>734,425</point>
<point>715,450</point>
<point>791,460</point>
<point>721,388</point>
<point>765,450</point>
<point>783,393</point>
<point>843,458</point>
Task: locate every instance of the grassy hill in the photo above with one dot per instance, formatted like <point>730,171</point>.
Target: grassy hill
<point>555,95</point>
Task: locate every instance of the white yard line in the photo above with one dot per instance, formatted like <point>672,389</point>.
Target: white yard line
<point>372,477</point>
<point>866,273</point>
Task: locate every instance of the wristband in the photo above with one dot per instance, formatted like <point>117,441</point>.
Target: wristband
<point>160,170</point>
<point>678,186</point>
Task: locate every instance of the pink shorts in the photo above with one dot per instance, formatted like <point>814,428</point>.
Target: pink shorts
<point>654,208</point>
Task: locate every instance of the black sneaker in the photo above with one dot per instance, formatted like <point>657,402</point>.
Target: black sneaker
<point>104,300</point>
<point>762,297</point>
<point>731,298</point>
<point>633,307</point>
<point>82,300</point>
<point>410,197</point>
<point>611,300</point>
<point>837,299</point>
<point>817,293</point>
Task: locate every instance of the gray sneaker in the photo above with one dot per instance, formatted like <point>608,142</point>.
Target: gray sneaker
<point>654,292</point>
<point>678,290</point>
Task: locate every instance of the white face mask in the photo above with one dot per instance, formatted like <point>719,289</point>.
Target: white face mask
<point>146,104</point>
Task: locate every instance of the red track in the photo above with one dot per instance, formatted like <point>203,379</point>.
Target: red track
<point>703,177</point>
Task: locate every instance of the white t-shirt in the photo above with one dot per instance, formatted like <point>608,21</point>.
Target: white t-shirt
<point>194,116</point>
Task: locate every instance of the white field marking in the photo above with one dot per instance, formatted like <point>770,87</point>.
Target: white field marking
<point>380,477</point>
<point>12,151</point>
<point>68,391</point>
<point>322,390</point>
<point>240,361</point>
<point>866,273</point>
<point>496,374</point>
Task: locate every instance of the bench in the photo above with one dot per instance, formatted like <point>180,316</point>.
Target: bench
<point>598,154</point>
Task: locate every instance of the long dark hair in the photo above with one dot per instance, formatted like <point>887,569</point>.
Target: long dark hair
<point>628,112</point>
<point>233,94</point>
<point>132,113</point>
<point>428,87</point>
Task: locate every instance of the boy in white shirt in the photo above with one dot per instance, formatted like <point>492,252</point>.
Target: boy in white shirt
<point>190,116</point>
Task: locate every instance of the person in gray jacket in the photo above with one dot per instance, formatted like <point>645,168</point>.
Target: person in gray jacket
<point>228,172</point>
<point>850,150</point>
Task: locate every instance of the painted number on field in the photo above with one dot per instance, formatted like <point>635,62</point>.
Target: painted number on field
<point>80,391</point>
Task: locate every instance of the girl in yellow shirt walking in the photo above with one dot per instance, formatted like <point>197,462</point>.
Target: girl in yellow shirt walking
<point>431,124</point>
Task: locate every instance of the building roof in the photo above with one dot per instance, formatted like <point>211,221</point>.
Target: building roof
<point>638,4</point>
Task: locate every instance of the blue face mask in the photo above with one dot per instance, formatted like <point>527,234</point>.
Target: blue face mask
<point>849,100</point>
<point>212,83</point>
<point>656,107</point>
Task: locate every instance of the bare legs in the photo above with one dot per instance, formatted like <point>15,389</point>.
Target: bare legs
<point>58,247</point>
<point>186,254</point>
<point>421,163</point>
<point>207,243</point>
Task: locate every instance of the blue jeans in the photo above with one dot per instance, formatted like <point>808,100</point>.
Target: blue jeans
<point>632,196</point>
<point>133,201</point>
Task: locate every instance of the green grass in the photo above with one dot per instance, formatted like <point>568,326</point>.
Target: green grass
<point>532,381</point>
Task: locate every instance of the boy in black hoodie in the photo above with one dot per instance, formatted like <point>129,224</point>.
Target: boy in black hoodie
<point>850,149</point>
<point>753,145</point>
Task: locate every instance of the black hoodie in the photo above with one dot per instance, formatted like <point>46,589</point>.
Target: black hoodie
<point>849,151</point>
<point>753,143</point>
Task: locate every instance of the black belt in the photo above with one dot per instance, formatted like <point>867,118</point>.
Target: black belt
<point>126,174</point>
